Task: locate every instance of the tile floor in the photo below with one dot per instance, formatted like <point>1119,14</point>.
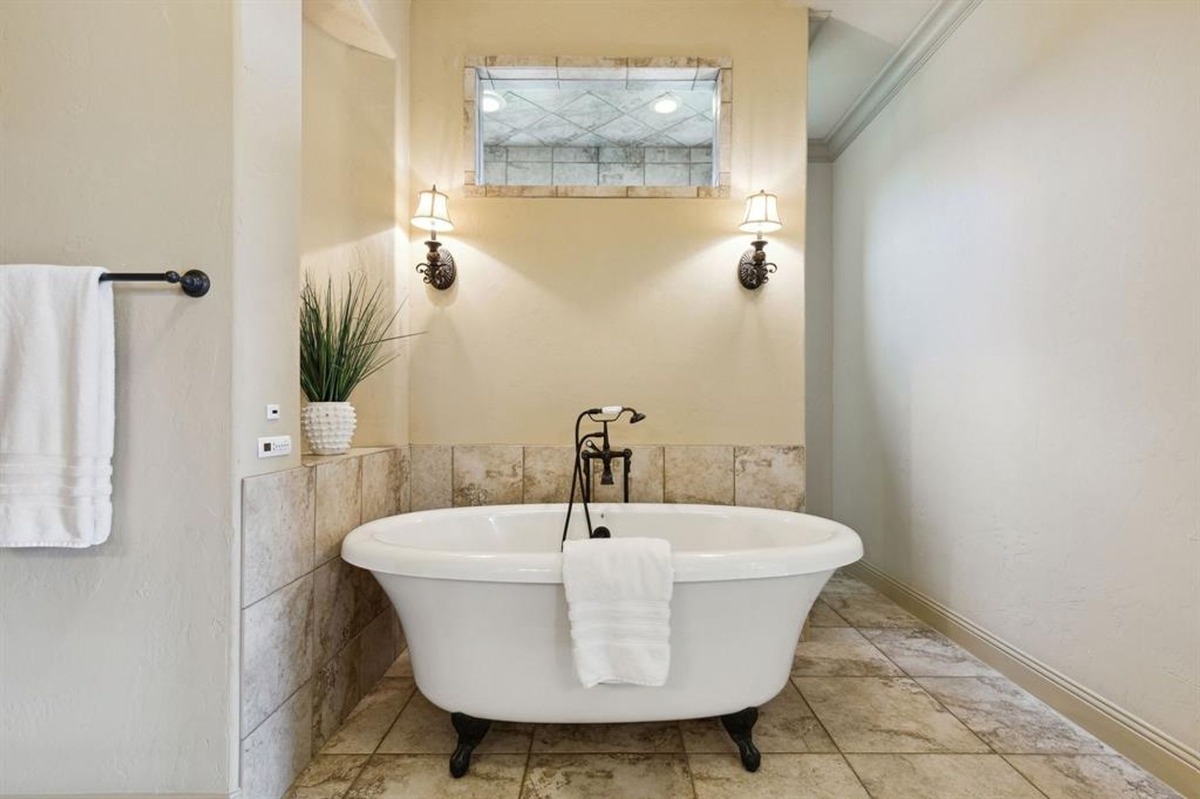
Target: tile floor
<point>879,707</point>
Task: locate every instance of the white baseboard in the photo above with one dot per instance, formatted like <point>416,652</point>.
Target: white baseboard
<point>1167,758</point>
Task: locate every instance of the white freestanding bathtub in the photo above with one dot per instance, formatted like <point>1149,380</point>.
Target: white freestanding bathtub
<point>479,592</point>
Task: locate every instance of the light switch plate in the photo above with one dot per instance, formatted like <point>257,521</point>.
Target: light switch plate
<point>274,446</point>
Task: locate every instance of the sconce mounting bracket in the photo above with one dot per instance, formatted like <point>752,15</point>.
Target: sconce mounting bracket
<point>754,267</point>
<point>438,269</point>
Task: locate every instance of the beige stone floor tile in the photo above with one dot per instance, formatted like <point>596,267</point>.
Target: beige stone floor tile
<point>785,724</point>
<point>841,584</point>
<point>941,777</point>
<point>402,667</point>
<point>779,777</point>
<point>327,777</point>
<point>840,652</point>
<point>822,615</point>
<point>1090,777</point>
<point>424,728</point>
<point>923,652</point>
<point>657,737</point>
<point>607,776</point>
<point>370,720</point>
<point>428,777</point>
<point>870,610</point>
<point>1010,719</point>
<point>885,714</point>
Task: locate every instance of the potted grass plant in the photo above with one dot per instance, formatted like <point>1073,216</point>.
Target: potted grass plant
<point>343,338</point>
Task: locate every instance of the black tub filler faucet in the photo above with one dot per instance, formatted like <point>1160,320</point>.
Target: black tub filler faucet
<point>586,451</point>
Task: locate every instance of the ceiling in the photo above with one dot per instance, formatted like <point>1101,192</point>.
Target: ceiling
<point>850,43</point>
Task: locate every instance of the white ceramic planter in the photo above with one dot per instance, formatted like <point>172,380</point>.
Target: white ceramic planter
<point>328,426</point>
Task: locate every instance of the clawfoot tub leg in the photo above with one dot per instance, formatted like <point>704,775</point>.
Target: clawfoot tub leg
<point>470,732</point>
<point>739,726</point>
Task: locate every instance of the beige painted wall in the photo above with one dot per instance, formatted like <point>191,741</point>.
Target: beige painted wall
<point>562,304</point>
<point>116,148</point>
<point>1017,343</point>
<point>349,196</point>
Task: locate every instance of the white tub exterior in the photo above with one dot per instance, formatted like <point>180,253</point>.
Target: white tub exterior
<point>479,592</point>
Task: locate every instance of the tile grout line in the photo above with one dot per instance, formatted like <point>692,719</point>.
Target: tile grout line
<point>396,720</point>
<point>1024,776</point>
<point>907,676</point>
<point>371,755</point>
<point>921,687</point>
<point>528,760</point>
<point>854,771</point>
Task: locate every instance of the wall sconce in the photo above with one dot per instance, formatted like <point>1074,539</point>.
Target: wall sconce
<point>433,214</point>
<point>762,216</point>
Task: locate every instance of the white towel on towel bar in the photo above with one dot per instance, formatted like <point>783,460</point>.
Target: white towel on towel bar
<point>619,604</point>
<point>56,406</point>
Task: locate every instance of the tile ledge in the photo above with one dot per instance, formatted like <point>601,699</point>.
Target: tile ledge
<point>309,459</point>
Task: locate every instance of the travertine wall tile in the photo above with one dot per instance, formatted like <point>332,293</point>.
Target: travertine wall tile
<point>589,191</point>
<point>701,474</point>
<point>645,480</point>
<point>547,473</point>
<point>277,531</point>
<point>345,599</point>
<point>404,460</point>
<point>275,753</point>
<point>520,191</point>
<point>339,504</point>
<point>277,650</point>
<point>336,690</point>
<point>488,474</point>
<point>661,192</point>
<point>315,642</point>
<point>725,153</point>
<point>377,650</point>
<point>382,484</point>
<point>431,476</point>
<point>769,477</point>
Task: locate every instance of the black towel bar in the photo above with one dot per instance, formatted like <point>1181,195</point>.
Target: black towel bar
<point>193,282</point>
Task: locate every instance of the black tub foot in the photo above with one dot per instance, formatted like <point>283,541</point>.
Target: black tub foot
<point>470,732</point>
<point>739,726</point>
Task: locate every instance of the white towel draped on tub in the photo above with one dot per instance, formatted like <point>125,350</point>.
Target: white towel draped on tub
<point>56,406</point>
<point>619,603</point>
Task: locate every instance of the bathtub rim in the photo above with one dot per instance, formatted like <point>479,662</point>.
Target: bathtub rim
<point>362,548</point>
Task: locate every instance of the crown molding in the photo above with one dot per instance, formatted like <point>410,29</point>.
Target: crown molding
<point>816,19</point>
<point>819,152</point>
<point>921,44</point>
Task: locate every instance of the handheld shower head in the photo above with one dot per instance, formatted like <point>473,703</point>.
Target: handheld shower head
<point>615,412</point>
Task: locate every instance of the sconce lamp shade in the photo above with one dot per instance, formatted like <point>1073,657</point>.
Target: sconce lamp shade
<point>433,212</point>
<point>762,214</point>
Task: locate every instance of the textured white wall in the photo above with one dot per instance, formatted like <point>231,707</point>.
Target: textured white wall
<point>116,149</point>
<point>818,340</point>
<point>266,231</point>
<point>143,137</point>
<point>1017,342</point>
